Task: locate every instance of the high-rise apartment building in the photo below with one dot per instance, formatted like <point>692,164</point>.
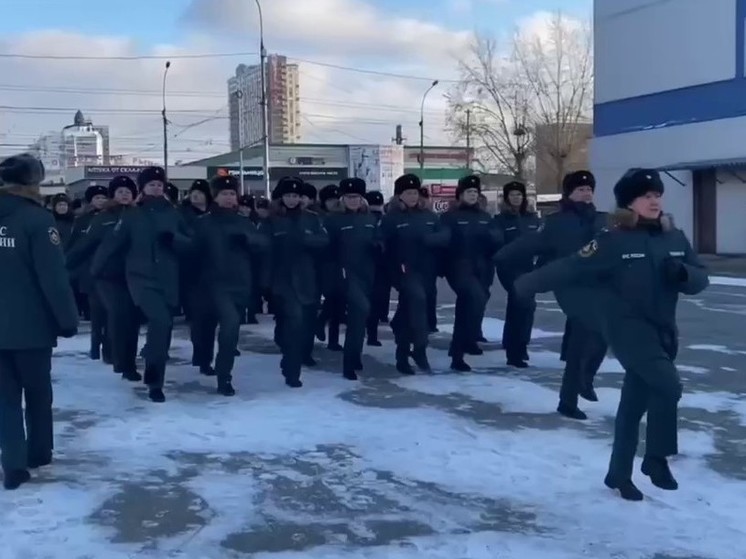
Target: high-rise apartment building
<point>283,110</point>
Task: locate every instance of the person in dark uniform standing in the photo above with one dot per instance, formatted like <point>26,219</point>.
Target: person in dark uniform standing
<point>411,236</point>
<point>515,221</point>
<point>297,237</point>
<point>63,216</point>
<point>38,306</point>
<point>381,295</point>
<point>432,288</point>
<point>642,264</point>
<point>223,244</point>
<point>562,234</point>
<point>328,198</point>
<point>333,305</point>
<point>468,266</point>
<point>259,216</point>
<point>354,249</point>
<point>110,285</point>
<point>194,206</point>
<point>96,196</point>
<point>151,237</point>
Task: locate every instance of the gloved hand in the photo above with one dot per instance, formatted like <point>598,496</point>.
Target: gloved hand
<point>674,271</point>
<point>68,332</point>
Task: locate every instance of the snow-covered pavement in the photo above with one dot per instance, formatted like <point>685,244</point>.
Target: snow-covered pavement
<point>443,466</point>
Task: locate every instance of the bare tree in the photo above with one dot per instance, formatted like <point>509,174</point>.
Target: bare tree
<point>528,102</point>
<point>490,108</point>
<point>557,67</point>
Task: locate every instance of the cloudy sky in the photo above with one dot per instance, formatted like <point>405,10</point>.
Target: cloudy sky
<point>364,64</point>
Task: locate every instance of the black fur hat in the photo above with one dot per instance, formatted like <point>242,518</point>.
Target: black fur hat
<point>407,182</point>
<point>150,174</point>
<point>22,170</point>
<point>514,186</point>
<point>576,180</point>
<point>95,190</point>
<point>635,183</point>
<point>247,201</point>
<point>470,181</point>
<point>122,181</point>
<point>228,182</point>
<point>309,191</point>
<point>287,185</point>
<point>352,186</point>
<point>203,186</point>
<point>374,198</point>
<point>172,192</point>
<point>261,203</point>
<point>329,192</point>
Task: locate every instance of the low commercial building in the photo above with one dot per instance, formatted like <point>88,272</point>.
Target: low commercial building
<point>78,179</point>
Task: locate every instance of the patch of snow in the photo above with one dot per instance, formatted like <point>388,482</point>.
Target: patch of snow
<point>555,474</point>
<point>716,348</point>
<point>729,281</point>
<point>492,328</point>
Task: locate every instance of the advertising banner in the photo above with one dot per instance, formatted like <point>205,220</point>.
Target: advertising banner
<point>331,174</point>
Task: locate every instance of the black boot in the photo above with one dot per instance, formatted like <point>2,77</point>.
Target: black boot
<point>572,413</point>
<point>627,489</point>
<point>659,473</point>
<point>420,359</point>
<point>15,478</point>
<point>132,376</point>
<point>373,342</point>
<point>458,364</point>
<point>207,370</point>
<point>350,374</point>
<point>226,389</point>
<point>156,395</point>
<point>589,394</point>
<point>402,360</point>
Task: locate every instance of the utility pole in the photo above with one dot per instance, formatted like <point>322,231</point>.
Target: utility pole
<point>239,98</point>
<point>468,139</point>
<point>165,122</point>
<point>422,127</point>
<point>265,102</point>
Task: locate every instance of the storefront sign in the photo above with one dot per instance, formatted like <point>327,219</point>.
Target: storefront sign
<point>109,171</point>
<point>331,174</point>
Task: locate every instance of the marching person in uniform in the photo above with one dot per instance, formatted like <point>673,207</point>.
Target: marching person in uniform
<point>123,324</point>
<point>642,264</point>
<point>562,234</point>
<point>353,250</point>
<point>150,237</point>
<point>515,220</point>
<point>38,306</point>
<point>332,306</point>
<point>96,197</point>
<point>297,237</point>
<point>432,288</point>
<point>222,248</point>
<point>411,236</point>
<point>63,216</point>
<point>468,266</point>
<point>381,295</point>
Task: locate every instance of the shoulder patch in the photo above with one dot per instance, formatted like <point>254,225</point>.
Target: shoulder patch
<point>588,250</point>
<point>54,236</point>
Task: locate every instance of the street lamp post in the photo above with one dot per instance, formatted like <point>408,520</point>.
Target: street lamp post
<point>165,121</point>
<point>265,116</point>
<point>422,127</point>
<point>239,98</point>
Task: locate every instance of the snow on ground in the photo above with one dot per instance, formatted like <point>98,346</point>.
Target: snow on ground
<point>728,281</point>
<point>394,468</point>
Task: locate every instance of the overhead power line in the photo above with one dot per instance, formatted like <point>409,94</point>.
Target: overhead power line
<point>63,57</point>
<point>63,90</point>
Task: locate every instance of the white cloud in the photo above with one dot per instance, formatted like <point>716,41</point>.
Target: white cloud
<point>338,105</point>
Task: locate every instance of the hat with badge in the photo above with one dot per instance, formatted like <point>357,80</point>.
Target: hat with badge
<point>577,179</point>
<point>122,181</point>
<point>635,183</point>
<point>172,192</point>
<point>288,185</point>
<point>247,201</point>
<point>407,182</point>
<point>329,192</point>
<point>219,183</point>
<point>150,174</point>
<point>467,182</point>
<point>309,191</point>
<point>261,203</point>
<point>374,198</point>
<point>352,185</point>
<point>95,190</point>
<point>201,185</point>
<point>22,170</point>
<point>514,186</point>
